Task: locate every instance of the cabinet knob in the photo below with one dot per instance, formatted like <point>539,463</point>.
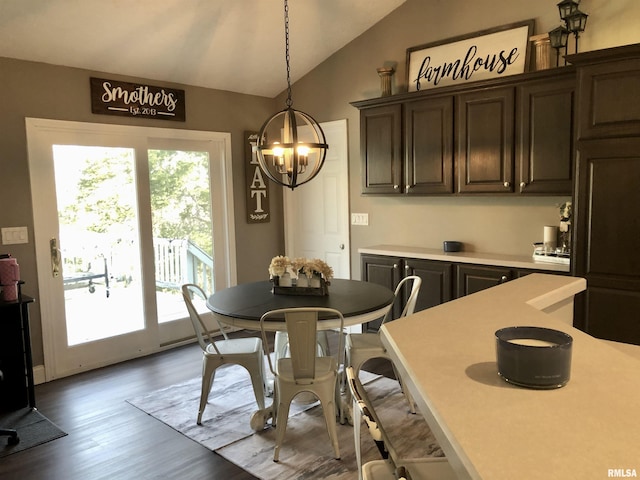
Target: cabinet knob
<point>407,268</point>
<point>407,187</point>
<point>507,184</point>
<point>503,279</point>
<point>523,184</point>
<point>396,187</point>
<point>395,265</point>
<point>341,246</point>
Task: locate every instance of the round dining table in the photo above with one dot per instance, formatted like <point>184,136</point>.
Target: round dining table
<point>242,306</point>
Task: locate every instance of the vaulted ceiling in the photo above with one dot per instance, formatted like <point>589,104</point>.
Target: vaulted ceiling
<point>234,45</point>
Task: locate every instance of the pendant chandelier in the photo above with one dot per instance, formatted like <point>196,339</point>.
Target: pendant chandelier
<point>291,146</point>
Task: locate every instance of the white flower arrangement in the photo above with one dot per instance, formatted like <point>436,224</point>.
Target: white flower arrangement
<point>300,266</point>
<point>279,266</point>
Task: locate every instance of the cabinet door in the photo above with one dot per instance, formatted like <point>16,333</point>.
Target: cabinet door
<point>545,146</point>
<point>609,99</point>
<point>381,149</point>
<point>428,127</point>
<point>473,278</point>
<point>485,145</point>
<point>437,281</point>
<point>607,238</point>
<point>381,270</point>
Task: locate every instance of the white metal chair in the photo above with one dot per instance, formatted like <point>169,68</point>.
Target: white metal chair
<point>246,352</point>
<point>304,370</point>
<point>392,467</point>
<point>361,347</point>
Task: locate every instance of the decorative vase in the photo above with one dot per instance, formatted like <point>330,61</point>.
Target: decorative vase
<point>284,280</point>
<point>315,281</point>
<point>303,281</point>
<point>385,74</point>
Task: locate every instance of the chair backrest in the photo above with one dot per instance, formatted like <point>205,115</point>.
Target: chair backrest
<point>302,329</point>
<point>363,411</point>
<point>189,291</point>
<point>410,305</point>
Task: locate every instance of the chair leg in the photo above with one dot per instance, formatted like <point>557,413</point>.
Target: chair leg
<point>357,423</point>
<point>208,372</point>
<point>281,415</point>
<point>329,410</point>
<point>258,382</point>
<point>405,391</point>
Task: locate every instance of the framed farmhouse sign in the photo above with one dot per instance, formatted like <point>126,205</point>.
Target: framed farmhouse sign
<point>257,185</point>
<point>111,97</point>
<point>497,52</point>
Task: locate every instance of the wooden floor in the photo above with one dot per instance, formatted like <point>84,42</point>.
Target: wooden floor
<point>110,439</point>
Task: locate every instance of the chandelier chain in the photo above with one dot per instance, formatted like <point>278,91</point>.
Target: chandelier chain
<point>286,37</point>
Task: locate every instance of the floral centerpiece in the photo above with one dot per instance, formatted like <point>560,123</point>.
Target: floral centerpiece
<point>300,276</point>
<point>566,212</point>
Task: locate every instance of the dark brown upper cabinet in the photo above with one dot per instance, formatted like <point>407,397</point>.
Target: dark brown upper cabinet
<point>513,135</point>
<point>428,142</point>
<point>485,146</point>
<point>381,149</point>
<point>545,130</point>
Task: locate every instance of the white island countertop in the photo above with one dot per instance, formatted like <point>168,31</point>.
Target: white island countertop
<point>492,430</point>
<point>478,258</point>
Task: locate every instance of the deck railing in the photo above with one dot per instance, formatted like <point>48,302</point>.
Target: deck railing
<point>181,261</point>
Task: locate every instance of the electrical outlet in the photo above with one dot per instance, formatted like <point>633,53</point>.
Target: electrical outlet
<point>359,219</point>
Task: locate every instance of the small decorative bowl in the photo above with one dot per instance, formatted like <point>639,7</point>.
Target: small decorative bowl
<point>534,357</point>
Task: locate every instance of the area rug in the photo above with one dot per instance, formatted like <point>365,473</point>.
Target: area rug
<point>33,429</point>
<point>306,451</point>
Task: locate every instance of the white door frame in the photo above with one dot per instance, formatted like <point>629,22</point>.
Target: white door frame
<point>41,134</point>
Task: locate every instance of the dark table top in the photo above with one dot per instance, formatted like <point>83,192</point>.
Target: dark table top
<point>251,300</point>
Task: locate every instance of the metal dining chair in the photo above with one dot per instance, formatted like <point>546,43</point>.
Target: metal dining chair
<point>304,370</point>
<point>246,352</point>
<point>392,466</point>
<point>361,347</point>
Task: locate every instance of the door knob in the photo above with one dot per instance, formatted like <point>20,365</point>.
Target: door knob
<point>341,246</point>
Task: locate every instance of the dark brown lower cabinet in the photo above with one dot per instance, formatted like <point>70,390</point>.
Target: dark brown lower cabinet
<point>473,278</point>
<point>388,271</point>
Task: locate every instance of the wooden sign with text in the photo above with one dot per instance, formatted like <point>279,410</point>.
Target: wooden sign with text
<point>497,52</point>
<point>111,97</point>
<point>257,184</point>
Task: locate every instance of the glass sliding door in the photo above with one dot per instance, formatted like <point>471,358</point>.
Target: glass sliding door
<point>99,241</point>
<point>123,216</point>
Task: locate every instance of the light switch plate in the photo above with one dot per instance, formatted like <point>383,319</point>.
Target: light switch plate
<point>359,219</point>
<point>14,235</point>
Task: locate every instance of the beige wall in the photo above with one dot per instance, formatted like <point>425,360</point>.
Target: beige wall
<point>38,90</point>
<point>487,224</point>
<point>490,224</point>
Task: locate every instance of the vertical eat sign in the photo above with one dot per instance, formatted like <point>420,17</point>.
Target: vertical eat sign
<point>257,184</point>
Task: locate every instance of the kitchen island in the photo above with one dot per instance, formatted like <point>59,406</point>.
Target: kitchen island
<point>489,429</point>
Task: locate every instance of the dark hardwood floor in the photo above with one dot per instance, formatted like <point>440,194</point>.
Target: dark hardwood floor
<point>110,439</point>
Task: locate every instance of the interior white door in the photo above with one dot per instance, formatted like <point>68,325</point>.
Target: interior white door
<point>317,213</point>
<point>118,180</point>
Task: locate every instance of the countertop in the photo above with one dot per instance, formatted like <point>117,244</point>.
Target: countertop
<point>495,259</point>
<point>492,430</point>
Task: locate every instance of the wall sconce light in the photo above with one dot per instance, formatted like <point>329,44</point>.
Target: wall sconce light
<point>558,38</point>
<point>291,146</point>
